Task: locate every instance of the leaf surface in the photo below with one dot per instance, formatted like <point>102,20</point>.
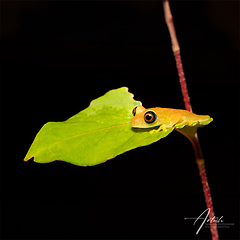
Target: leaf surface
<point>94,135</point>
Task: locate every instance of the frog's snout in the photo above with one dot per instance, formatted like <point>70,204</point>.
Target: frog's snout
<point>135,122</point>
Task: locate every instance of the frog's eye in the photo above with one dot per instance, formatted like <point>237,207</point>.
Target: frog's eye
<point>150,117</point>
<point>134,111</point>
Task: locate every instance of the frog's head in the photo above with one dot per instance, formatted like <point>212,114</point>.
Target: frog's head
<point>143,118</point>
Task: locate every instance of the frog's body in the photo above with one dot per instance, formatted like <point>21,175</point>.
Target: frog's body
<point>164,117</point>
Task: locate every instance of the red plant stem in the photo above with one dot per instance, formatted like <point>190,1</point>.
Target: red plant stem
<point>208,200</point>
<point>206,189</point>
<point>182,80</point>
<point>194,140</point>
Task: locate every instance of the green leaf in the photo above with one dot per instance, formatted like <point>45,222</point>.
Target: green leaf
<point>94,135</point>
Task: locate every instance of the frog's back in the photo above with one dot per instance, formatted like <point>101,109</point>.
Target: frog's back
<point>186,115</point>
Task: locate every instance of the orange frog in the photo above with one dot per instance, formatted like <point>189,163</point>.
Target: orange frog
<point>165,118</point>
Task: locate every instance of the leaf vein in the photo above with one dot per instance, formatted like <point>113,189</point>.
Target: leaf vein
<point>101,129</point>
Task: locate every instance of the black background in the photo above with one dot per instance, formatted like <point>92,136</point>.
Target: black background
<point>57,56</point>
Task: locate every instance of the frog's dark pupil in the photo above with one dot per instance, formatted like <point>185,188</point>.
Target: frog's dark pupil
<point>148,117</point>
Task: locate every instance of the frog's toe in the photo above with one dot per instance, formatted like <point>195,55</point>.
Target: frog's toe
<point>153,131</point>
<point>165,129</point>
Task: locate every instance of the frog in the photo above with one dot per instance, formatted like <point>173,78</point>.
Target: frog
<point>165,118</point>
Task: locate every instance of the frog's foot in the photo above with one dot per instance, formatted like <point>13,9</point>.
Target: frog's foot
<point>161,128</point>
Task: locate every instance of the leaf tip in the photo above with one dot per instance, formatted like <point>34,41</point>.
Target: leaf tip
<point>28,157</point>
